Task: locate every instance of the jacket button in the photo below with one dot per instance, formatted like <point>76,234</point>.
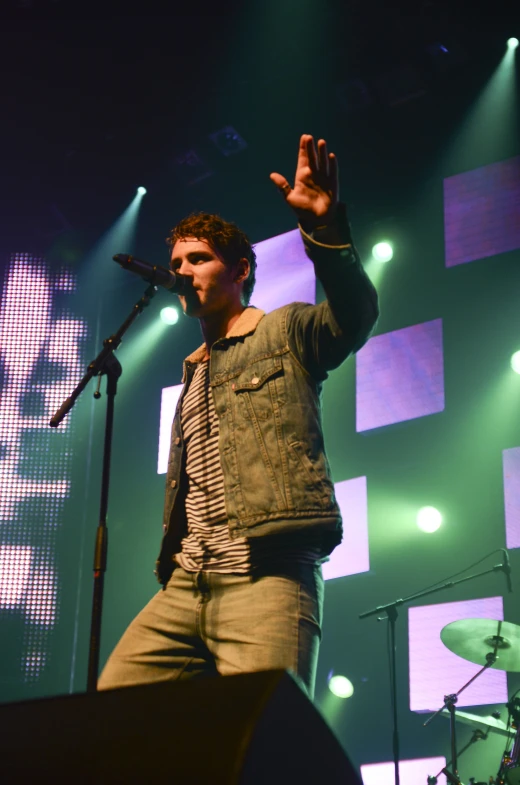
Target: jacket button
<point>255,380</point>
<point>177,440</point>
<point>173,484</point>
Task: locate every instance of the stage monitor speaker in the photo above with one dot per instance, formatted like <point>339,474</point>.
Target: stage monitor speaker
<point>249,729</point>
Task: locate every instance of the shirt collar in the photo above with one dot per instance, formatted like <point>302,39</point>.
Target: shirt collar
<point>246,323</point>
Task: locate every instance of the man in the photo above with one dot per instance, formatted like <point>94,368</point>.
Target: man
<point>250,512</point>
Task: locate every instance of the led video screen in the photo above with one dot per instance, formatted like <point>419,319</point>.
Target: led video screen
<point>400,376</point>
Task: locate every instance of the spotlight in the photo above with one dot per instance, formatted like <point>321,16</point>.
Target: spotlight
<point>190,168</point>
<point>437,49</point>
<point>515,362</point>
<point>443,56</point>
<point>429,519</point>
<point>169,315</point>
<point>141,190</point>
<point>512,43</point>
<point>341,687</point>
<point>228,141</point>
<point>382,252</point>
<point>399,85</point>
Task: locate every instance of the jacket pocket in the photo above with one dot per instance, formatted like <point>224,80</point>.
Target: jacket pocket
<point>259,389</point>
<point>257,374</point>
<point>314,482</point>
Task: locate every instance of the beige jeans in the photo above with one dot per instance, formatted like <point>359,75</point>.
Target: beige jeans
<point>207,623</point>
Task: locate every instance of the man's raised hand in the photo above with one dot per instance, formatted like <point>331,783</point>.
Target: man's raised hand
<point>314,196</point>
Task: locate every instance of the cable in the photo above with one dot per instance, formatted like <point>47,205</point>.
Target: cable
<point>461,572</point>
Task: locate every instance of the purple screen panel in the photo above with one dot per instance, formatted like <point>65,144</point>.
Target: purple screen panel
<point>284,272</point>
<point>400,376</point>
<point>481,210</point>
<point>411,772</point>
<point>511,462</point>
<point>169,399</point>
<point>351,555</point>
<point>435,671</point>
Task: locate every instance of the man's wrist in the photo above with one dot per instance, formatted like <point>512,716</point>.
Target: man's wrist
<point>335,231</point>
<point>329,235</point>
<point>321,224</point>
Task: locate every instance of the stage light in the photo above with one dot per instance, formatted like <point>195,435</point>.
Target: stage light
<point>190,168</point>
<point>382,252</point>
<point>228,141</point>
<point>512,43</point>
<point>399,85</point>
<point>341,687</point>
<point>141,190</point>
<point>515,362</point>
<point>429,519</point>
<point>170,315</point>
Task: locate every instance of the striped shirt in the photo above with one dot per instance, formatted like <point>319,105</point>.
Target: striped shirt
<point>208,545</point>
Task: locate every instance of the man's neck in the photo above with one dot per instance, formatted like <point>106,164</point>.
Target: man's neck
<point>218,326</point>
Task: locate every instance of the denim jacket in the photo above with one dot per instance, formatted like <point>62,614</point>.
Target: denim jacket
<point>266,378</point>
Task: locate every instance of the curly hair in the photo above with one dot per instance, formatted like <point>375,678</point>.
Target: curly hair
<point>225,238</point>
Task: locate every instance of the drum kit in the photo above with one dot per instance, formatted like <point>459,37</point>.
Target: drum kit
<point>491,644</point>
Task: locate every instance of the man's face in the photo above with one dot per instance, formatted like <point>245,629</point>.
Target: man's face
<point>211,287</point>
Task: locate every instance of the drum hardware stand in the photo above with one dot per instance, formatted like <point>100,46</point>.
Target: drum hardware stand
<point>104,363</point>
<point>477,735</point>
<point>510,765</point>
<point>449,704</point>
<point>390,612</point>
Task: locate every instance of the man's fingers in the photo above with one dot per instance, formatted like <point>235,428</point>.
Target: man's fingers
<point>317,169</point>
<point>310,151</point>
<point>281,183</point>
<point>278,179</point>
<point>334,173</point>
<point>303,156</point>
<point>323,157</point>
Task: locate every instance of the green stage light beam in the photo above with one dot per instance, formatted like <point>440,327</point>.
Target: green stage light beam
<point>490,131</point>
<point>170,315</point>
<point>341,687</point>
<point>512,43</point>
<point>515,362</point>
<point>331,705</point>
<point>498,397</point>
<point>382,252</point>
<point>119,238</point>
<point>140,344</point>
<point>394,519</point>
<point>429,519</point>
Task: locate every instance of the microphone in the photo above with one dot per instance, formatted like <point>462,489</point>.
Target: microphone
<point>158,276</point>
<point>506,567</point>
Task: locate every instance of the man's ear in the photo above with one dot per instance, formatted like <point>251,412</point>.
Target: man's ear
<point>242,272</point>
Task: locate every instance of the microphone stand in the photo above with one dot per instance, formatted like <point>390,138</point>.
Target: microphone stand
<point>104,364</point>
<point>390,609</point>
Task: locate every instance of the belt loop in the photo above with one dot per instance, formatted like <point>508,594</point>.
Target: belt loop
<point>195,581</point>
<point>203,583</point>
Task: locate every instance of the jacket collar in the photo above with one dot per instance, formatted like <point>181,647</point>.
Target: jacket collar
<point>246,323</point>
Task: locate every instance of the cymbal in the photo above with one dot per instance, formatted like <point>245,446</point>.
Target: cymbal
<point>475,720</point>
<point>474,639</point>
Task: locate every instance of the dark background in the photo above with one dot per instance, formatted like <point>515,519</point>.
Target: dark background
<point>100,98</point>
